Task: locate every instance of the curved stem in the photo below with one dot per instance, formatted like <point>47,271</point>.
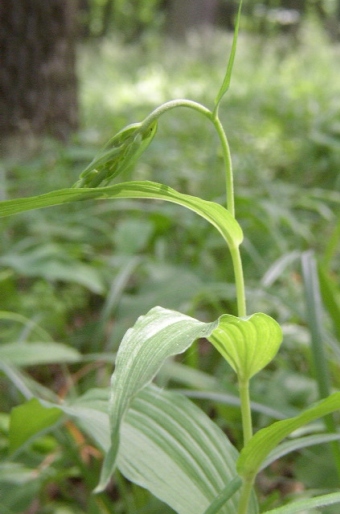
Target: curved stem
<point>172,104</point>
<point>213,117</point>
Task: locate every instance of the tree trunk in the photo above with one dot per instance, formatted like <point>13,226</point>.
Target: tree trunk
<point>38,87</point>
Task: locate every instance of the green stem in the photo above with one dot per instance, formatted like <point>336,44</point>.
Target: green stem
<point>173,104</point>
<point>245,410</point>
<point>245,497</point>
<point>227,162</point>
<point>239,282</point>
<point>213,117</point>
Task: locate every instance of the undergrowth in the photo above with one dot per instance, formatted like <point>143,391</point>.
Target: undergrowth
<point>84,281</point>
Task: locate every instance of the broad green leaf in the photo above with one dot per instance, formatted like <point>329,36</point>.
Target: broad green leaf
<point>155,337</point>
<point>266,439</point>
<point>307,504</point>
<point>28,420</point>
<point>226,81</point>
<point>214,213</point>
<point>247,344</point>
<point>119,153</point>
<point>169,446</point>
<point>31,354</point>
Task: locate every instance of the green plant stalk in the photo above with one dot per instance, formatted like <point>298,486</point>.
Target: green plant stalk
<point>239,282</point>
<point>245,496</point>
<point>245,409</point>
<point>227,163</point>
<point>247,434</point>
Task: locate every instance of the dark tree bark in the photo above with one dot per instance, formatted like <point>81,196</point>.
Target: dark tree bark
<point>38,87</point>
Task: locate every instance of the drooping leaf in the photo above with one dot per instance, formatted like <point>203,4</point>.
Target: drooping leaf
<point>155,337</point>
<point>266,439</point>
<point>31,354</point>
<point>247,344</point>
<point>29,419</point>
<point>307,504</point>
<point>214,213</point>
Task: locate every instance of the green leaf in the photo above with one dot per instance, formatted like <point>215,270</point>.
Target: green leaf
<point>226,81</point>
<point>31,354</point>
<point>214,213</point>
<point>298,444</point>
<point>266,439</point>
<point>307,504</point>
<point>169,446</point>
<point>28,420</point>
<point>330,297</point>
<point>155,337</point>
<point>247,344</point>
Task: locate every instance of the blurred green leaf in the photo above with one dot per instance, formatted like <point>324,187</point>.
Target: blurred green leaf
<point>29,420</point>
<point>32,354</point>
<point>307,504</point>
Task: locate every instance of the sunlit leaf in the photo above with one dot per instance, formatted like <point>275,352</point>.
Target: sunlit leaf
<point>247,344</point>
<point>155,337</point>
<point>266,439</point>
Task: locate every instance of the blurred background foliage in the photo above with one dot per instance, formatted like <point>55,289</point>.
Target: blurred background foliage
<point>79,275</point>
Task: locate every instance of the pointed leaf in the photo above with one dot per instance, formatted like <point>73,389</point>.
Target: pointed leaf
<point>307,504</point>
<point>214,213</point>
<point>155,337</point>
<point>226,82</point>
<point>247,344</point>
<point>266,439</point>
<point>28,420</point>
<point>298,444</point>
